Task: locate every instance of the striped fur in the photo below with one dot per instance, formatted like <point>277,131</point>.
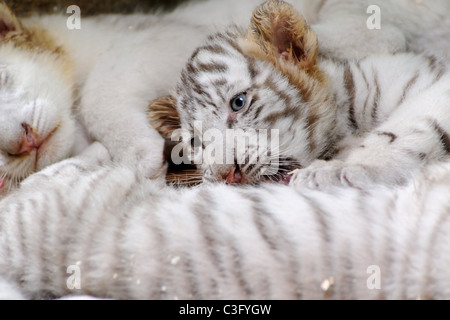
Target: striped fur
<point>374,128</point>
<point>130,238</point>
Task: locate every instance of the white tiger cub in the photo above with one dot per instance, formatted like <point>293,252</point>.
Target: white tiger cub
<point>379,119</point>
<point>127,238</point>
<point>36,121</point>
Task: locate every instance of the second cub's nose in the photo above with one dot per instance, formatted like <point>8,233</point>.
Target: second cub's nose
<point>29,141</point>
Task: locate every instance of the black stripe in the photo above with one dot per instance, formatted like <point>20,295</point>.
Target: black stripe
<point>440,229</point>
<point>238,271</point>
<point>211,67</point>
<point>389,251</point>
<point>72,238</point>
<point>444,138</point>
<point>408,87</point>
<point>363,75</point>
<point>413,241</point>
<point>98,231</point>
<point>376,101</point>
<point>120,276</point>
<point>255,109</point>
<point>190,69</point>
<point>259,217</point>
<point>432,271</point>
<point>289,110</point>
<point>158,232</point>
<point>220,93</point>
<point>220,82</point>
<point>346,279</point>
<point>212,48</point>
<point>274,235</point>
<point>203,95</point>
<point>440,72</point>
<point>415,154</point>
<point>60,212</point>
<point>350,88</point>
<point>251,67</point>
<point>193,277</point>
<point>230,39</point>
<point>368,221</point>
<point>215,48</point>
<point>390,135</point>
<point>209,228</point>
<point>437,67</point>
<point>324,237</point>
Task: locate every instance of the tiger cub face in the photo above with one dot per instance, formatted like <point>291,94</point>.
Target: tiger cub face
<point>254,105</point>
<point>36,98</point>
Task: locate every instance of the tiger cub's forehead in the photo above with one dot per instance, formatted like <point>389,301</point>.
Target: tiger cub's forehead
<point>216,72</point>
<point>220,62</point>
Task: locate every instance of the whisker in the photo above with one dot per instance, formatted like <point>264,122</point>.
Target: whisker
<point>188,178</point>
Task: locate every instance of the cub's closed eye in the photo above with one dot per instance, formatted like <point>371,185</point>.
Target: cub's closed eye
<point>238,102</point>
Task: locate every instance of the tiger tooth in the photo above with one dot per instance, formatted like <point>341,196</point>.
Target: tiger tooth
<point>293,171</point>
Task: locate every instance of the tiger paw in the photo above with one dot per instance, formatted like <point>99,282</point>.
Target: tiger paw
<point>323,174</point>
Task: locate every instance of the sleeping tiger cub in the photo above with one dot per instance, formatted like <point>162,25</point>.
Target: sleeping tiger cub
<point>377,119</point>
<point>37,125</point>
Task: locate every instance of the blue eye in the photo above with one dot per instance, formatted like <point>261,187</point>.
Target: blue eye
<point>238,102</point>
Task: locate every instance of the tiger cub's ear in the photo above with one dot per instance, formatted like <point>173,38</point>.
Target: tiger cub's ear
<point>8,22</point>
<point>163,115</point>
<point>278,33</point>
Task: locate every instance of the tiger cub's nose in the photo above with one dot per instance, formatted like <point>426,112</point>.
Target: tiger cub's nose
<point>234,175</point>
<point>30,141</point>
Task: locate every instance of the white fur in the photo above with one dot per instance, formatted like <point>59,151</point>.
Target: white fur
<point>366,156</point>
<point>134,240</point>
<point>43,102</point>
<point>129,68</point>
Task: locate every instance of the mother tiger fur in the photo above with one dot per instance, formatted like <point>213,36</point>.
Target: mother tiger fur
<point>132,239</point>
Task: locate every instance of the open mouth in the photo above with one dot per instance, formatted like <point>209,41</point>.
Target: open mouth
<point>285,171</point>
<point>281,174</point>
<point>235,176</point>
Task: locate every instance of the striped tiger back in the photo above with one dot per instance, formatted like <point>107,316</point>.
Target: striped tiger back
<point>80,228</point>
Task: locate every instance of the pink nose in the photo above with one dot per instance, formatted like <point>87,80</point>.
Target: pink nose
<point>234,175</point>
<point>30,141</point>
